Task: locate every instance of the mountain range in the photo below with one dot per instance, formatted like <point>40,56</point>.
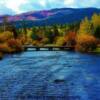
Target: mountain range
<point>51,17</point>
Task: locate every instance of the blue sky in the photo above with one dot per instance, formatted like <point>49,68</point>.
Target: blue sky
<point>20,6</point>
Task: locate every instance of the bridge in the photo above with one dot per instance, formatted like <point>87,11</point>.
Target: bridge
<point>48,48</point>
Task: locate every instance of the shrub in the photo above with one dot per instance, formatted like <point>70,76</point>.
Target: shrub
<point>45,40</point>
<point>86,43</point>
<point>35,42</point>
<point>97,50</point>
<point>29,41</point>
<point>4,48</point>
<point>15,45</point>
<point>2,38</point>
<point>22,39</point>
<point>5,36</point>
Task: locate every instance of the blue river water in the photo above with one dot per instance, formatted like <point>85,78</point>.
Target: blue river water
<point>50,75</point>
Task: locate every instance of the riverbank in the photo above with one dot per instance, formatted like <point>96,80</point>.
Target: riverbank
<point>5,50</point>
<point>97,50</point>
<point>1,55</point>
<point>10,46</point>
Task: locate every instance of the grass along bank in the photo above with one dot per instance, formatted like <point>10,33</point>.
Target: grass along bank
<point>97,50</point>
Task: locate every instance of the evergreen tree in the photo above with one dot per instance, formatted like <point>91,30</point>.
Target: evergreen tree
<point>97,32</point>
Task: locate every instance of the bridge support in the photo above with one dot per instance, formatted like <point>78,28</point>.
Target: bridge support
<point>50,48</point>
<point>25,49</point>
<point>37,49</point>
<point>62,48</point>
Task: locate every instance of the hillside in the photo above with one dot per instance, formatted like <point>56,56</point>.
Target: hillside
<point>50,17</point>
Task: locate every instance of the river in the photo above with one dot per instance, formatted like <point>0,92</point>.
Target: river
<point>50,75</point>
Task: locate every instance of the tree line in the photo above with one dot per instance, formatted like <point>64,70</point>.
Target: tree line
<point>84,35</point>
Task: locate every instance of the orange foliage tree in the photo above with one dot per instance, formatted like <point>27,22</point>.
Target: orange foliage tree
<point>70,38</point>
<point>85,42</point>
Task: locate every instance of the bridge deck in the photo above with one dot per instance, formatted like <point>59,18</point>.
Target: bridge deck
<point>48,48</point>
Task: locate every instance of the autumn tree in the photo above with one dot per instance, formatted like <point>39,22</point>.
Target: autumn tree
<point>60,41</point>
<point>85,27</point>
<point>70,38</point>
<point>86,43</point>
<point>95,20</point>
<point>96,25</point>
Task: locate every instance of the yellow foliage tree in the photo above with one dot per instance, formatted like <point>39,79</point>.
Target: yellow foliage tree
<point>60,41</point>
<point>5,36</point>
<point>95,20</point>
<point>85,26</point>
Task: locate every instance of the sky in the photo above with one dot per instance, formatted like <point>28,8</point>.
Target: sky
<point>20,6</point>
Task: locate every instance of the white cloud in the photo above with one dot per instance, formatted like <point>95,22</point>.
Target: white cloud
<point>14,5</point>
<point>5,10</point>
<point>42,3</point>
<point>69,2</point>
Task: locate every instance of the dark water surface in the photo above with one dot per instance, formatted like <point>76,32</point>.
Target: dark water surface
<point>50,75</point>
